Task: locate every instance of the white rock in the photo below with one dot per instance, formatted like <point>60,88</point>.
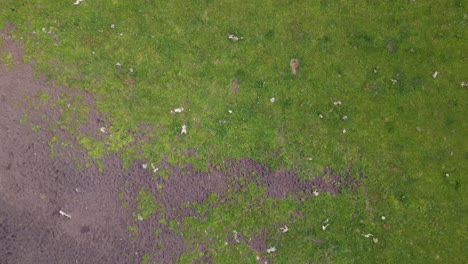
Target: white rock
<point>325,225</point>
<point>184,129</point>
<point>62,213</point>
<point>154,168</point>
<point>344,117</point>
<point>321,116</point>
<point>344,131</point>
<point>464,84</point>
<point>230,111</point>
<point>144,166</point>
<point>272,100</point>
<point>177,110</point>
<point>376,240</point>
<point>367,235</point>
<point>337,103</point>
<point>315,193</point>
<point>78,2</point>
<point>236,236</point>
<point>284,229</point>
<point>383,218</point>
<point>270,250</point>
<point>434,75</point>
<point>234,37</point>
<point>140,218</point>
<point>103,130</point>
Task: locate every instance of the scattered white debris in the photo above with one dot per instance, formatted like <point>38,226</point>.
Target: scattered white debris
<point>344,131</point>
<point>236,236</point>
<point>118,65</point>
<point>184,130</point>
<point>394,81</point>
<point>62,213</point>
<point>383,218</point>
<point>144,166</point>
<point>337,103</point>
<point>154,168</point>
<point>78,2</point>
<point>325,225</point>
<point>344,118</point>
<point>272,100</point>
<point>177,110</point>
<point>320,116</point>
<point>315,193</point>
<point>270,250</point>
<point>230,111</point>
<point>464,84</point>
<point>234,37</point>
<point>112,26</point>
<point>434,75</point>
<point>367,235</point>
<point>103,130</point>
<point>284,229</point>
<point>140,218</point>
<point>376,240</point>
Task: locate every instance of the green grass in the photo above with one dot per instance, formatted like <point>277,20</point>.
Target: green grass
<point>405,137</point>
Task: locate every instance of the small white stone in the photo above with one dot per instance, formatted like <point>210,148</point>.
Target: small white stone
<point>447,175</point>
<point>367,235</point>
<point>177,110</point>
<point>154,168</point>
<point>284,229</point>
<point>394,81</point>
<point>344,131</point>
<point>325,225</point>
<point>144,166</point>
<point>78,2</point>
<point>309,158</point>
<point>184,129</point>
<point>434,75</point>
<point>272,100</point>
<point>230,111</point>
<point>320,116</point>
<point>103,130</point>
<point>383,218</point>
<point>376,240</point>
<point>270,250</point>
<point>62,213</point>
<point>130,69</point>
<point>112,26</point>
<point>140,218</point>
<point>464,84</point>
<point>344,117</point>
<point>315,193</point>
<point>118,65</point>
<point>337,103</point>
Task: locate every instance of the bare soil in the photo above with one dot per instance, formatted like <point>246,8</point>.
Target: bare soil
<point>35,187</point>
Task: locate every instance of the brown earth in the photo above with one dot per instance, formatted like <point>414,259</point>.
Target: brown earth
<point>35,187</point>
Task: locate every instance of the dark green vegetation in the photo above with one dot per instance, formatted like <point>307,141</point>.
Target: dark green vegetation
<point>405,130</point>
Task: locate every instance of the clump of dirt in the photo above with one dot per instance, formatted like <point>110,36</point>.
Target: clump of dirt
<point>234,86</point>
<point>294,63</point>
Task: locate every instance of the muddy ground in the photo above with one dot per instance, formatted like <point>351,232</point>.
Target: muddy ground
<point>35,187</point>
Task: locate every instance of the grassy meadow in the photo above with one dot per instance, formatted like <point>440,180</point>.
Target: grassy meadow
<point>366,98</point>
